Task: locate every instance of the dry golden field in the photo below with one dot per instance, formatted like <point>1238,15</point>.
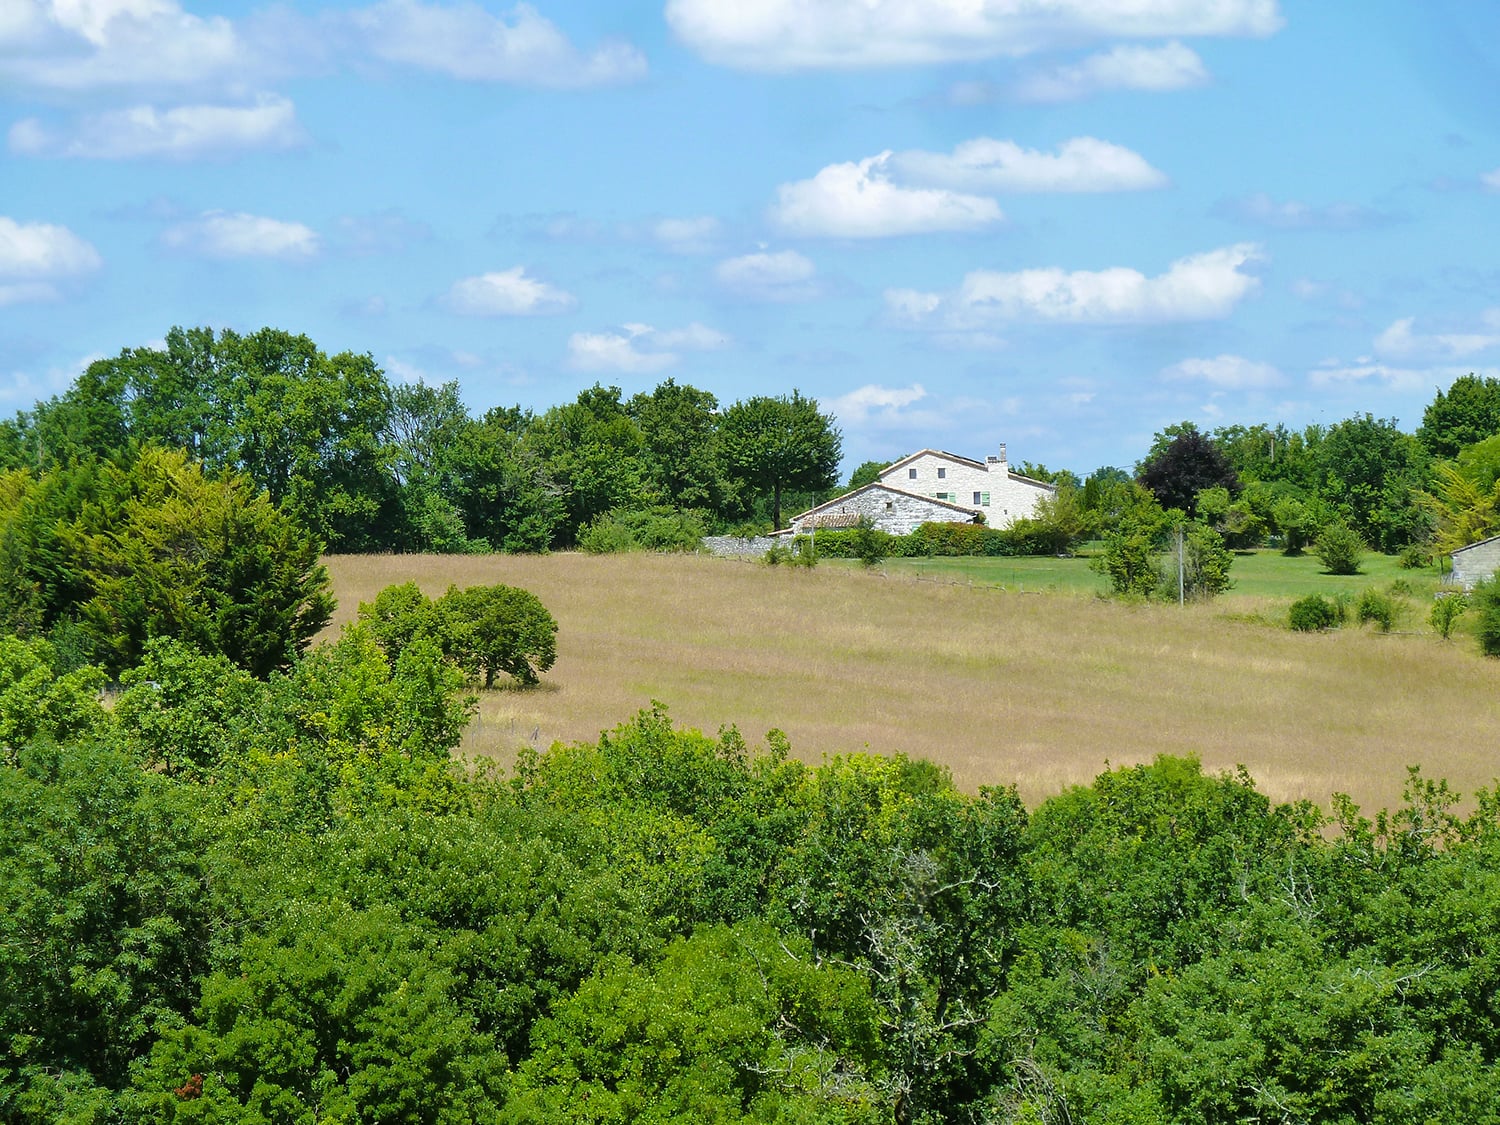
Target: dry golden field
<point>1039,690</point>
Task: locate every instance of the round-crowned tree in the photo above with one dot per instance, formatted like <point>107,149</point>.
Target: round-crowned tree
<point>493,629</point>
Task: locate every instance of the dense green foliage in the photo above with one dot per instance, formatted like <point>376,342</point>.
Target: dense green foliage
<point>103,556</point>
<point>1314,612</point>
<point>368,465</point>
<point>1486,601</point>
<point>254,901</point>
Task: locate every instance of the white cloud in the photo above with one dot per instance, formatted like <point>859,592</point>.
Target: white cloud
<point>984,164</point>
<point>1491,180</point>
<point>1230,372</point>
<point>784,275</point>
<point>465,41</point>
<point>793,34</point>
<point>183,133</point>
<point>1261,210</point>
<point>639,349</point>
<point>1399,341</point>
<point>1366,373</point>
<point>99,44</point>
<point>32,255</point>
<point>687,236</point>
<point>508,293</point>
<point>873,402</point>
<point>1172,66</point>
<point>235,234</point>
<point>860,201</point>
<point>1198,287</point>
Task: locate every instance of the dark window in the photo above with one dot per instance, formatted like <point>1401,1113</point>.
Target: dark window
<point>976,498</point>
<point>911,474</point>
<point>942,474</point>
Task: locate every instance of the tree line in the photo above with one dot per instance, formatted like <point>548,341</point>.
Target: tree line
<point>370,465</point>
<point>244,900</point>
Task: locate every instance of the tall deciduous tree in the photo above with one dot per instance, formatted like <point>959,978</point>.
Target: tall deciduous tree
<point>780,443</point>
<point>1372,472</point>
<point>593,450</point>
<point>680,427</point>
<point>1189,463</point>
<point>1469,411</point>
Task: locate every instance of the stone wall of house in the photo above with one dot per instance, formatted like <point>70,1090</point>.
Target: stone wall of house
<point>1009,499</point>
<point>897,512</point>
<point>1476,563</point>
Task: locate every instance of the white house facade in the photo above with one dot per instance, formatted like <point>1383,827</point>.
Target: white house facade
<point>987,487</point>
<point>932,486</point>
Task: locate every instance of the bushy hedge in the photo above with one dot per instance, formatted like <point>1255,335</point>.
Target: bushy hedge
<point>655,529</point>
<point>1314,612</point>
<point>1024,537</point>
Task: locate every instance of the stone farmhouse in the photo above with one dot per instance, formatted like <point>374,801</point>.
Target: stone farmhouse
<point>1476,562</point>
<point>931,486</point>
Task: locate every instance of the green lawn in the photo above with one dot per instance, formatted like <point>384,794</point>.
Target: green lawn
<point>1256,574</point>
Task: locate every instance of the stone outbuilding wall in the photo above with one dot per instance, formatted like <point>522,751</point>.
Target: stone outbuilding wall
<point>1476,562</point>
<point>890,509</point>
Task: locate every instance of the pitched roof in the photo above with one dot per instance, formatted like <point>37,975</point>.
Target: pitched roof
<point>971,463</point>
<point>935,453</point>
<point>1476,543</point>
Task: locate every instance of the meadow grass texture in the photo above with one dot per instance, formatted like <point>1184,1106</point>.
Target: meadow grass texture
<point>1000,686</point>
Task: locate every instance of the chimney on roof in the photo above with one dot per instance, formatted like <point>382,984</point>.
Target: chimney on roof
<point>1002,453</point>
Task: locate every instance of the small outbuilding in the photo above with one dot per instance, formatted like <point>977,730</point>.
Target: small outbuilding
<point>1476,562</point>
<point>889,509</point>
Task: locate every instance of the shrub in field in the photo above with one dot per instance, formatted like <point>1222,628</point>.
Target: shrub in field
<point>1130,554</point>
<point>1414,556</point>
<point>1312,613</point>
<point>1446,610</point>
<point>804,551</point>
<point>871,545</point>
<point>1340,548</point>
<point>605,536</point>
<point>1486,599</point>
<point>1205,565</point>
<point>1374,606</point>
<point>778,555</point>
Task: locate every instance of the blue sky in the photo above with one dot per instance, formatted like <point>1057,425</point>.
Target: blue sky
<point>1059,224</point>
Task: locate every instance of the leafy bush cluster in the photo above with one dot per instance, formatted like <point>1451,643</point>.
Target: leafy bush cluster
<point>103,556</point>
<point>1143,557</point>
<point>1024,537</point>
<point>1314,613</point>
<point>655,529</point>
<point>281,902</point>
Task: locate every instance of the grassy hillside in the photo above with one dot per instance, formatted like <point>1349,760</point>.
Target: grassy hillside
<point>1000,686</point>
